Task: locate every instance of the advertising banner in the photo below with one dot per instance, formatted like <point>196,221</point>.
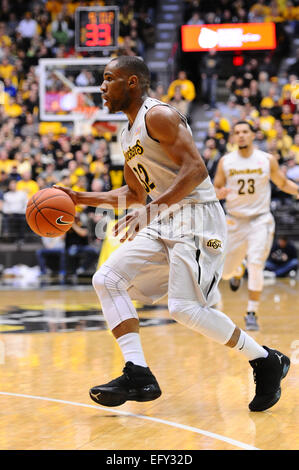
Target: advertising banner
<point>228,37</point>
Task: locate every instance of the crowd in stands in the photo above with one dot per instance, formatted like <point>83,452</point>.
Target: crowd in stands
<point>241,11</point>
<point>180,94</point>
<point>271,106</point>
<point>32,158</point>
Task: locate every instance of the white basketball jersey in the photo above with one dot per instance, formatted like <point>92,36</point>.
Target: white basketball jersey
<point>151,165</point>
<point>249,182</point>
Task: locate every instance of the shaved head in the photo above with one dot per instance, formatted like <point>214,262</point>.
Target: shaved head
<point>132,65</point>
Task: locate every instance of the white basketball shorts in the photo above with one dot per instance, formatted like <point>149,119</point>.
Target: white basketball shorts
<point>180,256</point>
<point>249,237</point>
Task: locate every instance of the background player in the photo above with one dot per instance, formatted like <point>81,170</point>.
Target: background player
<point>177,241</point>
<point>243,179</point>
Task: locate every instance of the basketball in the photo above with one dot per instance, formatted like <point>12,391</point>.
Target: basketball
<point>50,212</point>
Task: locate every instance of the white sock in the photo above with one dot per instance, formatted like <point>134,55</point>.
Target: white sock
<point>253,306</point>
<point>249,347</point>
<point>131,348</point>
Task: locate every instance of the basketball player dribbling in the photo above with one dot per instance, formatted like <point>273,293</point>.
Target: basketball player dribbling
<point>243,179</point>
<point>174,244</point>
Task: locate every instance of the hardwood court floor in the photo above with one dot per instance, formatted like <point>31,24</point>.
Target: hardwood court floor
<point>45,378</point>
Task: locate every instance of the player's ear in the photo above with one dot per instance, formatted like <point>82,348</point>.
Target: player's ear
<point>132,81</point>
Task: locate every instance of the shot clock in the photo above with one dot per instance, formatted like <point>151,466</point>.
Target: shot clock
<point>96,28</point>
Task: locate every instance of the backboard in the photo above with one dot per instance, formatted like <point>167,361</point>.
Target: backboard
<point>69,90</point>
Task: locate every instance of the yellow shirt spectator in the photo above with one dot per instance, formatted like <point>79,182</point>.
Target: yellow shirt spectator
<point>187,87</point>
<point>126,17</point>
<point>73,179</point>
<point>274,18</point>
<point>5,41</point>
<point>7,165</point>
<point>290,12</point>
<point>97,168</point>
<point>6,69</point>
<point>293,88</point>
<point>284,144</point>
<point>77,187</point>
<point>75,174</point>
<point>267,102</point>
<point>275,15</point>
<point>224,124</point>
<point>295,151</point>
<point>28,186</point>
<point>12,109</point>
<point>266,123</point>
<point>53,7</point>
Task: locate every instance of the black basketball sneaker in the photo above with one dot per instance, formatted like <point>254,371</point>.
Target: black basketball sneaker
<point>236,281</point>
<point>137,384</point>
<point>268,373</point>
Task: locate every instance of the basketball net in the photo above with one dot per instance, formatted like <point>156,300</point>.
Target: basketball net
<point>84,126</point>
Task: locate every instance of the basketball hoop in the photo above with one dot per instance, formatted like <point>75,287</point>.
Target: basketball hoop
<point>90,119</point>
<point>86,111</point>
<point>83,126</point>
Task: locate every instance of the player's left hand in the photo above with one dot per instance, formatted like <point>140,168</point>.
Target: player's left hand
<point>132,223</point>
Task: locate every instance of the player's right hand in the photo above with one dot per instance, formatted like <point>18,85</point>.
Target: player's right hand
<point>73,194</point>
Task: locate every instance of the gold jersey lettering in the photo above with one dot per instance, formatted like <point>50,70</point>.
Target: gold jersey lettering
<point>247,171</point>
<point>136,149</point>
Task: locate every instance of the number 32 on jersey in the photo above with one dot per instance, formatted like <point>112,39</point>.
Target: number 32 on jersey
<point>144,178</point>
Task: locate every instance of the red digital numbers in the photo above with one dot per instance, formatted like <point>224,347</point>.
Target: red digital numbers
<point>98,35</point>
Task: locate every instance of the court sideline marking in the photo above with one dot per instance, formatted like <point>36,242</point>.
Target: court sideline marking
<point>148,418</point>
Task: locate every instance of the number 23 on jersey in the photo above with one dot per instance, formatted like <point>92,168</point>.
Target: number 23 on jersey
<point>246,187</point>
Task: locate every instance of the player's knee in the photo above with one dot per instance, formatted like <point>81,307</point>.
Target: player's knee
<point>184,311</point>
<point>255,277</point>
<point>108,280</point>
<point>98,280</point>
<point>173,308</point>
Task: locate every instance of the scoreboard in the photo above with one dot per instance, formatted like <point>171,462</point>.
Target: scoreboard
<point>96,28</point>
